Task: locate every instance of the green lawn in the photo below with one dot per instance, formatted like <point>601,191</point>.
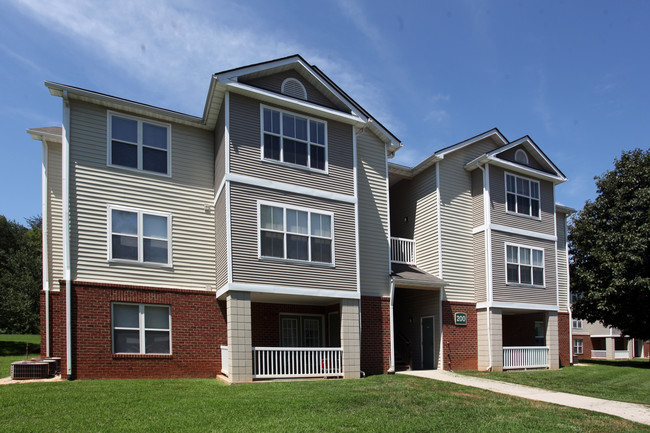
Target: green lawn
<point>613,380</point>
<point>375,404</point>
<point>12,348</point>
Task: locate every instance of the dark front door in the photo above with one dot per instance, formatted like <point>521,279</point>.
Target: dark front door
<point>427,342</point>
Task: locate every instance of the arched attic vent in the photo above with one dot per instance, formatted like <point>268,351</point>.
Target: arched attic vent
<point>521,156</point>
<point>294,88</point>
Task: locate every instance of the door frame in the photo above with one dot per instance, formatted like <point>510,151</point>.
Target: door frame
<point>433,354</point>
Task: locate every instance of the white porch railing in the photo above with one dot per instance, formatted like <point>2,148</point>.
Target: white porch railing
<point>621,354</point>
<point>402,251</point>
<point>287,362</point>
<point>525,357</point>
<point>599,354</point>
<point>224,360</point>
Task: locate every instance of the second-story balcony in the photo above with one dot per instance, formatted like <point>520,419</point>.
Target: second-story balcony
<point>402,251</point>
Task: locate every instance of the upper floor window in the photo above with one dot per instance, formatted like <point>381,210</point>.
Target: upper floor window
<point>139,236</point>
<point>141,328</point>
<point>524,265</point>
<point>295,234</point>
<point>522,195</point>
<point>294,139</point>
<point>577,324</point>
<point>138,144</point>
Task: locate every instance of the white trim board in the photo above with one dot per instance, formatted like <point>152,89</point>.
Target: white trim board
<point>515,231</point>
<point>516,306</point>
<point>288,290</point>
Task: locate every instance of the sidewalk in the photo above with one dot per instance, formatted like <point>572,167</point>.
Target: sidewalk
<point>630,411</point>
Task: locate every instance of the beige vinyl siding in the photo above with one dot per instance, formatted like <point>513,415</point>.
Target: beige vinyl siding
<point>480,285</point>
<point>246,157</point>
<point>373,216</point>
<point>545,225</point>
<point>456,215</point>
<point>221,237</point>
<point>503,292</point>
<point>509,155</point>
<point>220,152</point>
<point>414,215</point>
<point>410,306</point>
<point>55,214</point>
<point>249,268</point>
<point>183,195</point>
<point>477,198</point>
<point>562,270</point>
<point>274,84</point>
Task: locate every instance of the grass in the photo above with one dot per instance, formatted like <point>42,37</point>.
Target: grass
<point>12,348</point>
<point>378,403</point>
<point>613,380</point>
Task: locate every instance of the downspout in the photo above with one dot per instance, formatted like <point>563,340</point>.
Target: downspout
<point>65,180</point>
<point>488,252</point>
<point>391,367</point>
<point>391,363</point>
<point>45,245</point>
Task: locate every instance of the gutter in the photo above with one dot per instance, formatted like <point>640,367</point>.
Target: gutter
<point>391,367</point>
<point>65,180</point>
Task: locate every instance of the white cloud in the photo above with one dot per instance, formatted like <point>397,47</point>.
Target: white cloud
<point>435,112</point>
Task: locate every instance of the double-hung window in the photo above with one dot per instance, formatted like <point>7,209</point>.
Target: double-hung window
<point>522,195</point>
<point>295,234</point>
<point>141,328</point>
<point>294,139</point>
<point>139,236</point>
<point>524,265</point>
<point>138,144</point>
<point>577,346</point>
<point>577,324</point>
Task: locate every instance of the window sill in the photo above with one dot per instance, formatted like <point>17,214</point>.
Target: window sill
<point>523,215</point>
<point>137,170</point>
<point>298,262</point>
<point>298,166</point>
<point>145,264</point>
<point>142,356</point>
<point>526,285</point>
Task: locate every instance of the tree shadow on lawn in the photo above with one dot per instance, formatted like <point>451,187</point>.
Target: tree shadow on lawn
<point>640,363</point>
<point>14,348</point>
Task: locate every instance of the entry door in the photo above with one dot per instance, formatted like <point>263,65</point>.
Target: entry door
<point>427,332</point>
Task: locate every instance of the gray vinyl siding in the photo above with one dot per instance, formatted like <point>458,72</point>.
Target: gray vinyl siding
<point>457,219</point>
<point>220,152</point>
<point>545,225</point>
<point>221,247</point>
<point>503,292</point>
<point>273,83</point>
<point>562,270</point>
<point>477,198</point>
<point>183,195</point>
<point>246,159</point>
<point>414,215</point>
<point>373,216</point>
<point>55,214</point>
<point>509,155</point>
<point>410,306</point>
<point>249,268</point>
<point>480,285</point>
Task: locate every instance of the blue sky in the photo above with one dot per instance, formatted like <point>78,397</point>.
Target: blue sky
<point>573,75</point>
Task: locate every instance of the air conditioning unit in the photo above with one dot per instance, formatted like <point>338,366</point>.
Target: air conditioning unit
<point>30,370</point>
<point>54,366</point>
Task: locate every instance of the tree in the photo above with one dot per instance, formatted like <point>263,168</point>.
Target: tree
<point>609,243</point>
<point>20,276</point>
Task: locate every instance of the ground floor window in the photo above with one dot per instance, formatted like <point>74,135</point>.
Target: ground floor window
<point>540,333</point>
<point>577,346</point>
<point>141,328</point>
<point>301,330</point>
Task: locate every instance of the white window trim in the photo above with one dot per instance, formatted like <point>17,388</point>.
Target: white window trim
<point>260,203</point>
<point>141,328</point>
<point>582,347</point>
<point>505,191</point>
<point>300,326</point>
<point>508,244</point>
<point>281,161</point>
<point>140,120</point>
<point>140,213</point>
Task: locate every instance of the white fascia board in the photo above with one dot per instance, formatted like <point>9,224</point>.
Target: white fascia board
<point>560,208</point>
<point>605,336</point>
<point>40,136</point>
<point>516,231</point>
<point>525,170</point>
<point>517,306</point>
<point>401,283</point>
<point>295,104</point>
<point>288,290</point>
<point>286,187</point>
<point>527,140</point>
<point>428,162</point>
<point>492,132</point>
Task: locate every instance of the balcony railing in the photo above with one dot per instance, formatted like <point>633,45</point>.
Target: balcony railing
<point>525,357</point>
<point>402,251</point>
<point>621,354</point>
<point>288,362</point>
<point>224,360</point>
<point>599,354</point>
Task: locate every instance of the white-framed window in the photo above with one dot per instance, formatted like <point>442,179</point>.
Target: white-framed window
<point>577,346</point>
<point>138,144</point>
<point>294,233</point>
<point>524,265</point>
<point>304,330</point>
<point>577,324</point>
<point>293,139</point>
<point>139,236</point>
<point>522,196</point>
<point>141,328</point>
<point>540,333</point>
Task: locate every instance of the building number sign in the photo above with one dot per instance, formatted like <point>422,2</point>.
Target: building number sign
<point>460,319</point>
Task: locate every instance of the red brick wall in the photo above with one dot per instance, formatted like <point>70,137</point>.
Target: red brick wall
<point>646,349</point>
<point>198,331</point>
<point>564,338</point>
<point>459,343</point>
<point>375,334</point>
<point>587,347</point>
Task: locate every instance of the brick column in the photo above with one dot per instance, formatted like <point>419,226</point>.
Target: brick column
<point>240,352</point>
<point>350,338</point>
<point>552,340</point>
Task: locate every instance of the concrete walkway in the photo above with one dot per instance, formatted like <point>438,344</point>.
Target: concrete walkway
<point>630,411</point>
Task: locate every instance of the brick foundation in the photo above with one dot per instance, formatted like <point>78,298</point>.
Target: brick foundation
<point>375,334</point>
<point>564,339</point>
<point>198,331</point>
<point>459,343</point>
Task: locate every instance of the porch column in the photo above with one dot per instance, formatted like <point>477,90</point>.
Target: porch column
<point>552,340</point>
<point>610,346</point>
<point>630,348</point>
<point>350,338</point>
<point>490,341</point>
<point>240,351</point>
